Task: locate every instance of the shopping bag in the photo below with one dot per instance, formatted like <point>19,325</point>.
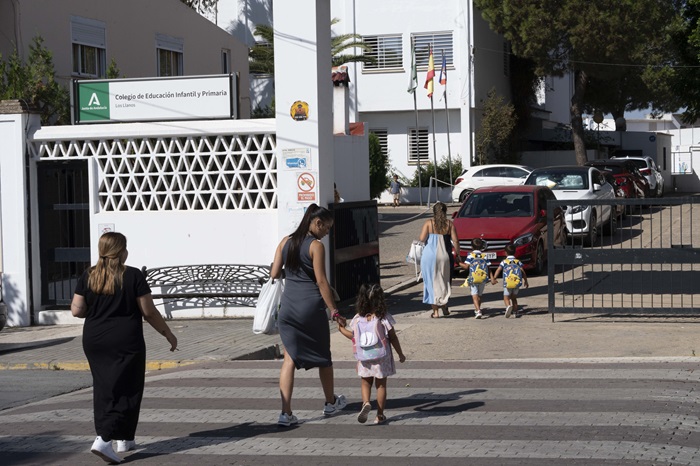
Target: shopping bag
<point>415,253</point>
<point>267,308</point>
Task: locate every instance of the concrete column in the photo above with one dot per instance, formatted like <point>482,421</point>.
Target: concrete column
<point>14,212</point>
<point>303,102</point>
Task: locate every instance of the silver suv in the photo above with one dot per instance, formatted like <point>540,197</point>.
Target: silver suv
<point>648,168</point>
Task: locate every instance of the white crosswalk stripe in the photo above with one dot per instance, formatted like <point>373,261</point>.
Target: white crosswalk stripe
<point>612,413</point>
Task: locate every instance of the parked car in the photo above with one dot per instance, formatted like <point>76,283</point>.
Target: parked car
<point>627,176</point>
<point>579,183</point>
<point>488,175</point>
<point>619,193</point>
<point>501,215</point>
<point>648,168</point>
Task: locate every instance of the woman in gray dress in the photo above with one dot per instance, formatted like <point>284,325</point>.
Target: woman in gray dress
<point>303,322</point>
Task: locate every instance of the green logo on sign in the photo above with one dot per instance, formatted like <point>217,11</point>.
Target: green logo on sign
<point>93,101</point>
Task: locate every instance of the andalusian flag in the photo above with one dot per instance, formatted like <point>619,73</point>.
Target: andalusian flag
<point>413,81</point>
<point>431,74</point>
<point>443,70</point>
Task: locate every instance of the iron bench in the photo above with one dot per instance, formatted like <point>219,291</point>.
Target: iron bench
<point>228,283</point>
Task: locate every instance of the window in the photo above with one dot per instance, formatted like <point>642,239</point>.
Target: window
<point>386,50</point>
<point>382,135</point>
<point>418,145</point>
<point>441,43</point>
<point>169,55</point>
<point>89,47</point>
<point>225,61</point>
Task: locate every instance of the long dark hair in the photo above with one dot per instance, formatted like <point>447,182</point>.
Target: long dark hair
<point>313,212</point>
<point>370,300</point>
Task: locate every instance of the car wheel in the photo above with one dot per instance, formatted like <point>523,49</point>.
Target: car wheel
<point>592,237</point>
<point>539,260</point>
<point>463,195</point>
<point>611,225</point>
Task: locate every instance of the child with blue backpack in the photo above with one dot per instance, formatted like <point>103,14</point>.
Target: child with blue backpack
<point>514,277</point>
<point>479,274</point>
<point>371,331</point>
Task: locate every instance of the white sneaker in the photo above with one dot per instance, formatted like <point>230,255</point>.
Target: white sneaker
<point>332,408</point>
<point>287,420</point>
<point>364,413</point>
<point>478,315</point>
<point>125,445</point>
<point>509,310</point>
<point>105,451</point>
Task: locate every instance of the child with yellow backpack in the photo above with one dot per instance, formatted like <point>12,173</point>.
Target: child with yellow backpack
<point>479,274</point>
<point>513,278</point>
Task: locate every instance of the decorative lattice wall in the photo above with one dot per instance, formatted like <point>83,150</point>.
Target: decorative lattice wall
<point>201,171</point>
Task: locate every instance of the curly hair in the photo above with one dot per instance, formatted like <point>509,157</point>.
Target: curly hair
<point>370,300</point>
<point>440,218</point>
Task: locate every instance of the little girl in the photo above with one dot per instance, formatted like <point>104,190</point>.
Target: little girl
<point>370,305</point>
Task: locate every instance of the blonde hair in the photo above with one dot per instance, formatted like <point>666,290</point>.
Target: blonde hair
<point>442,225</point>
<point>105,276</point>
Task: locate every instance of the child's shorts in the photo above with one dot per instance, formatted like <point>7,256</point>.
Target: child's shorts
<point>478,289</point>
<point>510,291</point>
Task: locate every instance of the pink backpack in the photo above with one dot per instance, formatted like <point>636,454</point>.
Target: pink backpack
<point>370,340</point>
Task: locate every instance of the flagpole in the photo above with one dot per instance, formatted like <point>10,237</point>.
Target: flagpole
<point>432,112</point>
<point>420,185</point>
<point>447,115</point>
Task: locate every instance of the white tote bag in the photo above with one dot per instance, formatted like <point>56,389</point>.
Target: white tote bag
<point>267,308</point>
<point>414,255</point>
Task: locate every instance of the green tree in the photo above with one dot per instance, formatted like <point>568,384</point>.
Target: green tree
<point>35,83</point>
<point>113,70</point>
<point>203,7</point>
<point>262,55</point>
<point>686,79</point>
<point>592,40</point>
<point>443,172</point>
<point>494,138</point>
<point>378,167</point>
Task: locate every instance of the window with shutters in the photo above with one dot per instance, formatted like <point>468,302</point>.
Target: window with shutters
<point>383,139</point>
<point>386,51</point>
<point>169,55</point>
<point>89,47</point>
<point>441,43</point>
<point>418,145</point>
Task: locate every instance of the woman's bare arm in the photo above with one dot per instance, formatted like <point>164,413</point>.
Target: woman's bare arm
<point>78,306</point>
<point>276,270</point>
<point>153,317</point>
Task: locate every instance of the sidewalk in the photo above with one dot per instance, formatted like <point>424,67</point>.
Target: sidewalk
<point>458,337</point>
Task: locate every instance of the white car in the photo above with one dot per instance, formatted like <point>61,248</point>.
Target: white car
<point>488,175</point>
<point>579,183</point>
<point>648,168</point>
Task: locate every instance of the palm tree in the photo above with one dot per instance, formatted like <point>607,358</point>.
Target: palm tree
<point>262,54</point>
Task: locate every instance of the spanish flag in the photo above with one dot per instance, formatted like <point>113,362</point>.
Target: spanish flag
<point>431,74</point>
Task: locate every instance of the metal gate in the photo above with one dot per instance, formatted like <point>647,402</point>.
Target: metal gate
<point>64,228</point>
<point>647,263</point>
<point>354,246</point>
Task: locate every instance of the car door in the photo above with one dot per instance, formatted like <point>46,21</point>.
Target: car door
<point>513,176</point>
<point>607,191</point>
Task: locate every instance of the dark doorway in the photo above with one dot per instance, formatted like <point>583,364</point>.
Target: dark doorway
<point>64,229</point>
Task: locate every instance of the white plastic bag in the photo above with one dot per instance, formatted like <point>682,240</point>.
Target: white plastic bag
<point>415,253</point>
<point>267,308</point>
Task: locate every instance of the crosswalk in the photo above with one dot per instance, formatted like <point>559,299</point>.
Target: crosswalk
<point>469,412</point>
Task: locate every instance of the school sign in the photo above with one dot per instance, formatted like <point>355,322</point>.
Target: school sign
<point>151,99</point>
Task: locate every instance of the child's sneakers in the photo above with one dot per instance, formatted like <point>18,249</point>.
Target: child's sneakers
<point>509,310</point>
<point>287,420</point>
<point>364,412</point>
<point>478,315</point>
<point>331,408</point>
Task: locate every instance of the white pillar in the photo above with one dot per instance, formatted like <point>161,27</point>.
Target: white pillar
<point>14,208</point>
<point>302,34</point>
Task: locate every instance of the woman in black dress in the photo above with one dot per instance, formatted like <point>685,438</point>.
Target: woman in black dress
<point>303,322</point>
<point>113,298</point>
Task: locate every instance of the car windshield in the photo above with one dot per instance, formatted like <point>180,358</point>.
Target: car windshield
<point>558,179</point>
<point>639,163</point>
<point>497,205</point>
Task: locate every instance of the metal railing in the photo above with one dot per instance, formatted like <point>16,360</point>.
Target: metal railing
<point>646,263</point>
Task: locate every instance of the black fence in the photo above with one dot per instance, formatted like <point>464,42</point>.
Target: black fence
<point>354,246</point>
<point>645,259</point>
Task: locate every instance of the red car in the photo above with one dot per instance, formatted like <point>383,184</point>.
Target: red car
<point>501,215</point>
<point>627,176</point>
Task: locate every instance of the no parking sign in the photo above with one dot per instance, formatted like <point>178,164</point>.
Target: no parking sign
<point>307,186</point>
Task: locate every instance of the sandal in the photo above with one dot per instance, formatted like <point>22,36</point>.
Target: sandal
<point>380,419</point>
<point>433,316</point>
<point>445,312</point>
